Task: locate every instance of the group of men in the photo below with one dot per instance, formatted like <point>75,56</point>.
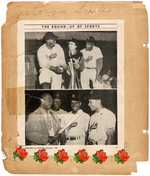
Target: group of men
<point>50,125</point>
<point>52,63</point>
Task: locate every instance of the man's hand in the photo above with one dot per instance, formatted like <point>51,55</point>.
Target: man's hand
<point>76,65</point>
<point>57,136</point>
<point>51,140</point>
<point>99,79</point>
<point>59,70</point>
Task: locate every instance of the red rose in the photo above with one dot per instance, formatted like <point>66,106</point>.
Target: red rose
<point>83,155</point>
<point>42,155</point>
<point>21,152</point>
<point>63,155</point>
<point>123,155</point>
<point>101,156</point>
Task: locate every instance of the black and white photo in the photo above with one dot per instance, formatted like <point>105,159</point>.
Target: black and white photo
<point>71,80</point>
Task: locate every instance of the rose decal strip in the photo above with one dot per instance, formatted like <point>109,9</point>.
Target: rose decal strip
<point>121,156</point>
<point>81,156</point>
<point>40,156</point>
<point>99,157</point>
<point>20,153</point>
<point>61,156</point>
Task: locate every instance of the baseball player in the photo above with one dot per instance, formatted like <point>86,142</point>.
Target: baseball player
<point>102,122</point>
<point>77,130</point>
<point>57,110</point>
<point>52,62</point>
<point>93,62</point>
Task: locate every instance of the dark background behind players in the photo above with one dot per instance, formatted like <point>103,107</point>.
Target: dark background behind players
<point>106,41</point>
<point>109,101</point>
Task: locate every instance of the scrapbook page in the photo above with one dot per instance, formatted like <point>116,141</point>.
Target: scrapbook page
<point>71,78</point>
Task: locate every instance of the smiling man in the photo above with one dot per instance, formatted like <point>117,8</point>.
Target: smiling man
<point>102,122</point>
<point>56,108</point>
<point>52,62</point>
<point>77,130</point>
<point>42,126</point>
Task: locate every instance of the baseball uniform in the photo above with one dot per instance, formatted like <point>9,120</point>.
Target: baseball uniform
<point>89,72</point>
<point>99,124</point>
<point>76,132</point>
<point>50,57</point>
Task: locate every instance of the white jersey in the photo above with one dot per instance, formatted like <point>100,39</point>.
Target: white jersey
<point>101,121</point>
<point>79,127</point>
<point>56,54</point>
<point>94,54</point>
<point>61,115</point>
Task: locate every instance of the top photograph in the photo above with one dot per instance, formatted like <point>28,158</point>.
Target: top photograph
<point>70,59</point>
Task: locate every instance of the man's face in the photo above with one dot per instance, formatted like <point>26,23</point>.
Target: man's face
<point>50,43</point>
<point>47,102</point>
<point>75,105</point>
<point>93,104</point>
<point>109,72</point>
<point>56,104</point>
<point>89,46</point>
<point>72,46</point>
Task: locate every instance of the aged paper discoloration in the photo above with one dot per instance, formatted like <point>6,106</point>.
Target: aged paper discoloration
<point>136,76</point>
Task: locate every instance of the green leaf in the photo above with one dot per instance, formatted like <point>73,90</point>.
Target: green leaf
<point>122,162</point>
<point>36,153</point>
<point>15,153</point>
<point>95,156</point>
<point>61,161</point>
<point>76,154</point>
<point>81,161</point>
<point>40,161</point>
<point>55,159</point>
<point>14,157</point>
<point>100,162</point>
<point>56,154</point>
<point>21,159</point>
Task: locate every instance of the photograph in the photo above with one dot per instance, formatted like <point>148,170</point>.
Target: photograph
<point>71,60</point>
<point>71,117</point>
<point>71,84</point>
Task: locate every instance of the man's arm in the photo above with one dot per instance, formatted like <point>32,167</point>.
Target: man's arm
<point>99,65</point>
<point>110,136</point>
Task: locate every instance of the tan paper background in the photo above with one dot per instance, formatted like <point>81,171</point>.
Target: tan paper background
<point>136,82</point>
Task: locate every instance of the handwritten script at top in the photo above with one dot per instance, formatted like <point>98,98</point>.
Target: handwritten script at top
<point>84,9</point>
<point>41,10</point>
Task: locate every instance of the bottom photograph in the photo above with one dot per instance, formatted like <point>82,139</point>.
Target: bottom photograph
<point>75,117</point>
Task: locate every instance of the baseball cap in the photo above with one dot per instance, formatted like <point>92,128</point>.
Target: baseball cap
<point>50,35</point>
<point>74,41</point>
<point>56,96</point>
<point>74,97</point>
<point>96,95</point>
<point>90,39</point>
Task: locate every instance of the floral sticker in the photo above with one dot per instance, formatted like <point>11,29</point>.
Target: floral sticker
<point>20,153</point>
<point>99,157</point>
<point>81,156</point>
<point>61,156</point>
<point>121,156</point>
<point>40,156</point>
